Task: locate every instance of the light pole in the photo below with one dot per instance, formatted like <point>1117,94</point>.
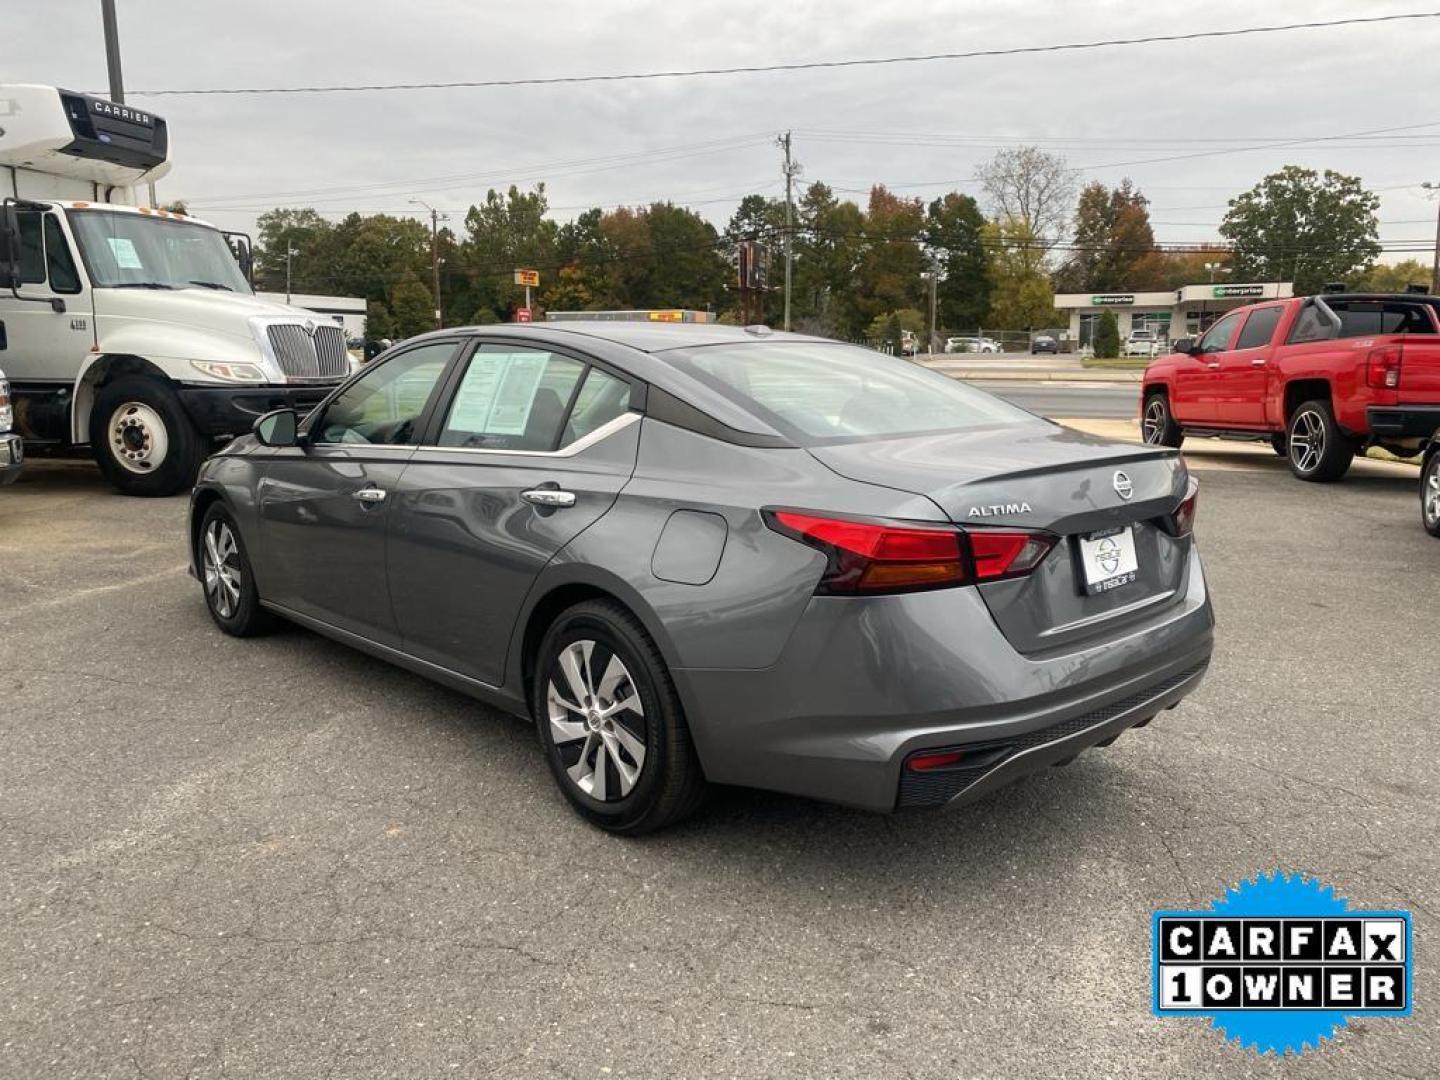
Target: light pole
<point>792,170</point>
<point>1214,268</point>
<point>931,278</point>
<point>1435,266</point>
<point>435,217</point>
<point>290,253</point>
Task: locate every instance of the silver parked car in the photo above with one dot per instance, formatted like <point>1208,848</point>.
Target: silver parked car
<point>700,553</point>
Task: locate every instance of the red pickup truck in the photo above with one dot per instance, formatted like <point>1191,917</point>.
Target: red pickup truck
<point>1322,377</point>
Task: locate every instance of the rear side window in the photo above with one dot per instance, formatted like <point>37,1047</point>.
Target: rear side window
<point>1361,318</point>
<point>513,399</point>
<point>817,392</point>
<point>1259,328</point>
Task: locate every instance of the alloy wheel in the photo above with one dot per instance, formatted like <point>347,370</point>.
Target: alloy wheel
<point>597,724</point>
<point>1153,426</point>
<point>1307,440</point>
<point>1432,493</point>
<point>138,437</point>
<point>222,569</point>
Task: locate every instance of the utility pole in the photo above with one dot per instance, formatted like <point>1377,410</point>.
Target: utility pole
<point>112,52</point>
<point>792,170</point>
<point>435,217</point>
<point>1435,266</point>
<point>290,254</point>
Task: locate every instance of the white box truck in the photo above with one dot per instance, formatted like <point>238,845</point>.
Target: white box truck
<point>127,329</point>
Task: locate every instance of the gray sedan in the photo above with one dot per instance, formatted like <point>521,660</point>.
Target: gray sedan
<point>699,554</point>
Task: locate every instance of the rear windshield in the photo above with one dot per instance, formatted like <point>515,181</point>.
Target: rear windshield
<point>816,392</point>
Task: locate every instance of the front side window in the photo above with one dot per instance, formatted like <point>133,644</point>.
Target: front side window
<point>822,392</point>
<point>383,407</point>
<point>1259,328</point>
<point>1217,338</point>
<point>512,399</point>
<point>141,251</point>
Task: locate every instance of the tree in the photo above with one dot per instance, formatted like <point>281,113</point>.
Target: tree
<point>281,229</point>
<point>1029,185</point>
<point>954,233</point>
<point>1112,238</point>
<point>1106,341</point>
<point>506,233</point>
<point>1393,277</point>
<point>887,276</point>
<point>1021,297</point>
<point>828,244</point>
<point>905,319</point>
<point>412,307</point>
<point>1303,226</point>
<point>688,270</point>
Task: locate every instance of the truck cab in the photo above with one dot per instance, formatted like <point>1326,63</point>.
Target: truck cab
<point>129,331</point>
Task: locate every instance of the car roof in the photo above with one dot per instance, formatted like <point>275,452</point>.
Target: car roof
<point>650,337</point>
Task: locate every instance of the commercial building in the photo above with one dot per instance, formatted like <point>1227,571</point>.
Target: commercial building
<point>348,311</point>
<point>1172,314</point>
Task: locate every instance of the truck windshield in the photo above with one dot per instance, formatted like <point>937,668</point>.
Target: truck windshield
<point>138,251</point>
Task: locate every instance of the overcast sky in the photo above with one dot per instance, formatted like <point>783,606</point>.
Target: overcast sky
<point>919,128</point>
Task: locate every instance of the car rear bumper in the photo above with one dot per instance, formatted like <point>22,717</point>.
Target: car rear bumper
<point>1403,421</point>
<point>865,683</point>
<point>12,456</point>
<point>233,410</point>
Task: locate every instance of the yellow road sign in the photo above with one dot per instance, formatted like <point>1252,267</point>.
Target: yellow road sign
<point>528,277</point>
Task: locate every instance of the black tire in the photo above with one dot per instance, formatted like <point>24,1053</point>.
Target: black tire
<point>142,439</point>
<point>1430,494</point>
<point>1157,423</point>
<point>669,783</point>
<point>1316,449</point>
<point>235,608</point>
<point>1280,443</point>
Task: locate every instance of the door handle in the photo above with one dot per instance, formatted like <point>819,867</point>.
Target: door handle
<point>370,496</point>
<point>551,498</point>
<point>1213,365</point>
<point>1259,361</point>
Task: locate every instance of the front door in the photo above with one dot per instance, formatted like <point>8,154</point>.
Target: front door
<point>1244,369</point>
<point>324,506</point>
<point>1195,400</point>
<point>41,345</point>
<point>533,447</point>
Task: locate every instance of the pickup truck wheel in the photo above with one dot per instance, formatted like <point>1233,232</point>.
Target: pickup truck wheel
<point>142,439</point>
<point>1317,449</point>
<point>1430,494</point>
<point>1157,425</point>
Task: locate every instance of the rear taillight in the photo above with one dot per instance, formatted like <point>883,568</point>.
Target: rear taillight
<point>1183,519</point>
<point>1382,368</point>
<point>883,557</point>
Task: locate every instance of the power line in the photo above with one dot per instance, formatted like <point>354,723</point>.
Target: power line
<point>1019,50</point>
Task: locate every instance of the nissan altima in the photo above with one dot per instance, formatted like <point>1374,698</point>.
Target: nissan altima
<point>701,555</point>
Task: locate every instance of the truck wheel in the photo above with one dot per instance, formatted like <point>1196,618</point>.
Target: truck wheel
<point>142,439</point>
<point>1157,425</point>
<point>1430,494</point>
<point>1317,449</point>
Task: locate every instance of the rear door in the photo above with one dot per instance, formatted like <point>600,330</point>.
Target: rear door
<point>530,446</point>
<point>1244,369</point>
<point>324,506</point>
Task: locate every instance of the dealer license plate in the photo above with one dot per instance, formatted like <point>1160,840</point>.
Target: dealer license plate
<point>1109,559</point>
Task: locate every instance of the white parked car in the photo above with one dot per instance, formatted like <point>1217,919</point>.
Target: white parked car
<point>1143,343</point>
<point>971,345</point>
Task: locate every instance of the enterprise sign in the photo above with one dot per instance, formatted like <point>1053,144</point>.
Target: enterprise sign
<point>121,112</point>
<point>1112,299</point>
<point>1222,291</point>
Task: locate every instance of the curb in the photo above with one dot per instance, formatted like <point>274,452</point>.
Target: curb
<point>1048,375</point>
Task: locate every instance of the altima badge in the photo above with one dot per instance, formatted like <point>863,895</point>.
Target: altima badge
<point>1123,487</point>
<point>1000,508</point>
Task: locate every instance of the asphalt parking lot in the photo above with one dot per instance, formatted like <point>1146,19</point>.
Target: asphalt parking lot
<point>280,858</point>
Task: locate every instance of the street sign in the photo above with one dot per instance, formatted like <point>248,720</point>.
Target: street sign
<point>529,278</point>
<point>524,314</point>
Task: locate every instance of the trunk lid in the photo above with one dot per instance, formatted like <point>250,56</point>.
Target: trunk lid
<point>1040,475</point>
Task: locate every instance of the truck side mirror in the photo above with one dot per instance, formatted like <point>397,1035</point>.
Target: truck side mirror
<point>1184,345</point>
<point>278,428</point>
<point>10,247</point>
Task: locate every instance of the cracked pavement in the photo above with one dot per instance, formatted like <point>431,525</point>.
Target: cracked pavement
<point>280,858</point>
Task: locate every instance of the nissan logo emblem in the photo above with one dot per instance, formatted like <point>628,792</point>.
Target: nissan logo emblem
<point>1123,487</point>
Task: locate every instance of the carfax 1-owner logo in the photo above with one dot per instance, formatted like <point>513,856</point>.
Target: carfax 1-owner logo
<point>1280,962</point>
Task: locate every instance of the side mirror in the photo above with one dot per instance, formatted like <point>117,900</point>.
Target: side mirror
<point>1183,345</point>
<point>278,428</point>
<point>10,247</point>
